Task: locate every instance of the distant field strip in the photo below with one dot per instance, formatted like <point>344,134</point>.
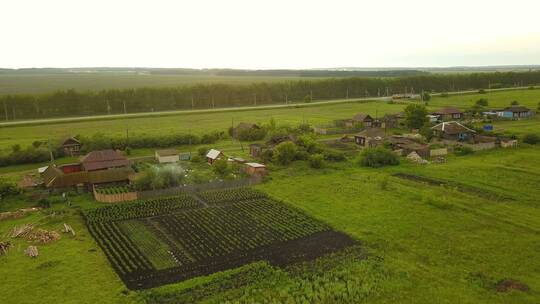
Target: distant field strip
<point>240,226</point>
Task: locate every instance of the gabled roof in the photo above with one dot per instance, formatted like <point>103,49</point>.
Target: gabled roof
<point>213,154</point>
<point>448,111</point>
<point>452,127</point>
<point>516,109</point>
<point>109,176</point>
<point>70,140</point>
<point>371,132</point>
<point>361,117</point>
<point>97,160</point>
<point>168,152</point>
<point>255,165</point>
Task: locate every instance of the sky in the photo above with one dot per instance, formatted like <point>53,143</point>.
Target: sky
<point>268,34</point>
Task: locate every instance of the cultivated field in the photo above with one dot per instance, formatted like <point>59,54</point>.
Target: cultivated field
<point>168,240</point>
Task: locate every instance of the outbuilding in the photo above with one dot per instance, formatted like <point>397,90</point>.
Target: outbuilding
<point>167,156</point>
<point>255,169</point>
<point>213,155</point>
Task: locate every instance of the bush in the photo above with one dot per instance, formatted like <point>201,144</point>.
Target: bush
<point>196,158</point>
<point>531,139</point>
<point>285,153</point>
<point>416,116</point>
<point>463,150</point>
<point>8,188</point>
<point>44,203</point>
<point>336,156</point>
<point>251,134</point>
<point>482,102</point>
<point>221,167</point>
<point>202,151</point>
<point>514,103</point>
<point>481,91</point>
<point>378,157</point>
<point>316,161</point>
<point>427,132</point>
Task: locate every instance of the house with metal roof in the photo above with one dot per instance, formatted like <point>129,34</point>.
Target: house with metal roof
<point>104,159</point>
<point>453,130</point>
<point>515,112</point>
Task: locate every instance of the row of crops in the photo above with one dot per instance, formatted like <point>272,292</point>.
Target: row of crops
<point>165,240</point>
<point>139,209</point>
<point>231,195</point>
<point>114,190</point>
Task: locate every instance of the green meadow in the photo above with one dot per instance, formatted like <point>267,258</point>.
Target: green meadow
<point>418,243</point>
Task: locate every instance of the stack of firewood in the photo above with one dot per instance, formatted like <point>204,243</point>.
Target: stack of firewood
<point>21,230</point>
<point>31,251</point>
<point>4,247</point>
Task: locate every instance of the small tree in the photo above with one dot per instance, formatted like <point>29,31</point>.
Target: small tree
<point>285,153</point>
<point>427,132</point>
<point>378,157</point>
<point>482,102</point>
<point>514,103</point>
<point>221,167</point>
<point>426,96</point>
<point>202,151</point>
<point>531,139</point>
<point>415,116</point>
<point>7,188</point>
<point>307,98</point>
<point>316,161</point>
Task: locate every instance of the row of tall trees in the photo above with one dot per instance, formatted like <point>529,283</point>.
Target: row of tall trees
<point>204,96</point>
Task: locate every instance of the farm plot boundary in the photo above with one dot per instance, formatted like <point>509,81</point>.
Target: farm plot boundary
<point>237,227</point>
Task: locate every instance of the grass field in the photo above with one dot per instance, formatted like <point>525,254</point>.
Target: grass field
<point>45,83</point>
<point>419,242</point>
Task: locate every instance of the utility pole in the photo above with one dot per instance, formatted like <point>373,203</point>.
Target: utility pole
<point>125,109</point>
<point>347,95</point>
<point>13,108</point>
<point>378,92</point>
<point>213,105</point>
<point>387,91</point>
<point>232,130</point>
<point>108,108</point>
<point>5,110</point>
<point>50,151</point>
<point>127,137</point>
<point>310,95</point>
<point>255,97</point>
<point>192,103</point>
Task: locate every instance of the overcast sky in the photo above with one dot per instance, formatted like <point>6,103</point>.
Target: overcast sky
<point>262,34</point>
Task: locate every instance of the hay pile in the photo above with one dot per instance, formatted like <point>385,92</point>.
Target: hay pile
<point>415,158</point>
<point>4,247</point>
<point>42,236</point>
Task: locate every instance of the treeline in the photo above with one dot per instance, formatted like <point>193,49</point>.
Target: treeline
<point>39,151</point>
<point>204,96</point>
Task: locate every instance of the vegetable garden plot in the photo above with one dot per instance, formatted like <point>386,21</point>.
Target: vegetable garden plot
<point>182,243</point>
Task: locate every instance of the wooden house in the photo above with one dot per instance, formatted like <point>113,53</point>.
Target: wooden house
<point>370,137</point>
<point>71,146</point>
<point>364,119</point>
<point>103,160</point>
<point>393,120</point>
<point>453,130</point>
<point>167,156</point>
<point>407,145</point>
<point>515,112</point>
<point>448,113</point>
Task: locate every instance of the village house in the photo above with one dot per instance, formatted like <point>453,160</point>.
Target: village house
<point>103,160</point>
<point>405,146</point>
<point>213,155</point>
<point>370,137</point>
<point>362,118</point>
<point>71,146</point>
<point>255,169</point>
<point>392,121</point>
<point>97,167</point>
<point>167,156</point>
<point>453,130</point>
<point>515,112</point>
<point>448,113</point>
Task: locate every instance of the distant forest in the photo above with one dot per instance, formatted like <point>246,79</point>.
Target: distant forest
<point>204,96</point>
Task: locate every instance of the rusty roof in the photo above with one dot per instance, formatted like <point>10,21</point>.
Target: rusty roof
<point>103,159</point>
<point>361,117</point>
<point>452,127</point>
<point>447,111</point>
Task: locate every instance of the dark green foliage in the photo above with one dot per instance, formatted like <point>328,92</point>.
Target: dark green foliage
<point>332,155</point>
<point>426,96</point>
<point>378,157</point>
<point>73,103</point>
<point>44,203</point>
<point>427,132</point>
<point>463,150</point>
<point>316,161</point>
<point>531,139</point>
<point>285,153</point>
<point>481,91</point>
<point>415,116</point>
<point>221,167</point>
<point>514,103</point>
<point>482,102</point>
<point>26,156</point>
<point>7,188</point>
<point>202,151</point>
<point>251,134</point>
